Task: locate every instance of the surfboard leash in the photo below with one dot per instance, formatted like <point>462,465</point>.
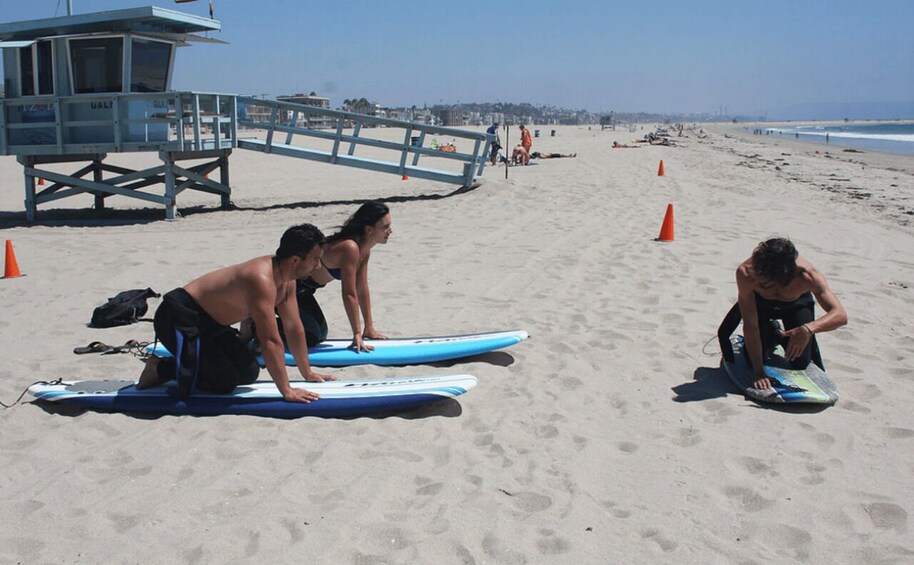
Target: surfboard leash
<point>50,383</point>
<point>704,348</point>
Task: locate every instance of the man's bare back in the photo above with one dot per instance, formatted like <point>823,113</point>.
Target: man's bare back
<point>226,294</point>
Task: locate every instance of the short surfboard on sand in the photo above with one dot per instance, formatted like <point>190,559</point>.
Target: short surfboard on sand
<point>400,351</point>
<point>262,398</point>
<point>810,385</point>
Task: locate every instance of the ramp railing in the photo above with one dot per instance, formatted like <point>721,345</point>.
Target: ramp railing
<point>368,142</point>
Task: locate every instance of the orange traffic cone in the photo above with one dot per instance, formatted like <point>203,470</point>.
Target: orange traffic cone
<point>666,231</point>
<point>11,270</point>
<point>660,170</point>
<point>405,177</point>
<point>40,181</point>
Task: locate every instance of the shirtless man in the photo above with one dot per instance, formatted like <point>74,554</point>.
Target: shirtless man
<point>194,322</point>
<point>776,283</point>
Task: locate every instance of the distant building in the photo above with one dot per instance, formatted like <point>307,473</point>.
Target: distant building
<point>313,122</point>
<point>450,117</point>
<point>494,118</point>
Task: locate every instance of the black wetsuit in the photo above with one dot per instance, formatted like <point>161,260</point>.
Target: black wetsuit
<point>794,314</point>
<point>208,356</point>
<point>312,317</point>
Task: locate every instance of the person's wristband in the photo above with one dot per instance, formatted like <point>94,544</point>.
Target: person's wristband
<point>808,329</point>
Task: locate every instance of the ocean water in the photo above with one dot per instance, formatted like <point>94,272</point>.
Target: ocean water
<point>890,137</point>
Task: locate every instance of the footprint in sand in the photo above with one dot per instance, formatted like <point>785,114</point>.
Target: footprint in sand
<point>628,447</point>
<point>747,499</point>
<point>815,474</point>
<point>887,516</point>
<point>546,432</point>
<point>530,501</point>
<point>687,437</point>
<point>790,540</point>
<point>572,383</point>
<point>753,466</point>
<point>899,433</point>
<point>654,535</point>
<point>550,544</point>
<point>854,407</point>
<point>499,551</point>
<point>580,442</point>
<point>430,490</point>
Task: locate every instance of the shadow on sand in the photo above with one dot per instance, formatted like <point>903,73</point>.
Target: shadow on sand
<point>90,217</point>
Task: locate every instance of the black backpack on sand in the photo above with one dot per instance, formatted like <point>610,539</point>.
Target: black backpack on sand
<point>125,308</point>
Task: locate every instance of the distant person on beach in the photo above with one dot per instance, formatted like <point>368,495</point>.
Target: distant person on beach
<point>345,259</point>
<point>526,140</point>
<point>617,145</point>
<point>496,145</point>
<point>519,155</point>
<point>195,322</point>
<point>775,283</point>
<point>539,155</point>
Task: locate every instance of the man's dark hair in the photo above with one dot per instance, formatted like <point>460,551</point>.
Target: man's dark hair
<point>775,260</point>
<point>299,240</point>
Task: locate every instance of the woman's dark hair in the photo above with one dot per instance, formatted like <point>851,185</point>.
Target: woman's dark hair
<point>775,260</point>
<point>368,214</point>
<point>299,240</point>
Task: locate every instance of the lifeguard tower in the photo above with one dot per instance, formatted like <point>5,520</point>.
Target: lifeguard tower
<point>79,87</point>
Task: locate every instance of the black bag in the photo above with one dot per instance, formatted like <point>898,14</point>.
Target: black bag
<point>125,308</point>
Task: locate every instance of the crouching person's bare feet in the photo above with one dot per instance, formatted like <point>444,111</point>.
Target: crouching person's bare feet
<point>150,375</point>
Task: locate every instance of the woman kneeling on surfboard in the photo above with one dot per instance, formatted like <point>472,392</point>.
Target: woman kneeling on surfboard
<point>345,259</point>
<point>776,283</point>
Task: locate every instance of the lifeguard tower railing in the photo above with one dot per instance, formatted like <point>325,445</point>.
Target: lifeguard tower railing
<point>183,126</point>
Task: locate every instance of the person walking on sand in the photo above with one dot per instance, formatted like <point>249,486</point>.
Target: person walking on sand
<point>776,283</point>
<point>194,322</point>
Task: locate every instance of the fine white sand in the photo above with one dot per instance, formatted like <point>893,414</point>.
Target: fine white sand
<point>611,436</point>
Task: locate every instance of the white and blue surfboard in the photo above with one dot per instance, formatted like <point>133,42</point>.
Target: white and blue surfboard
<point>400,351</point>
<point>788,385</point>
<point>337,398</point>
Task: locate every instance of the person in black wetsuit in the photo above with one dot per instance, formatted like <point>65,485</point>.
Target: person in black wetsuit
<point>194,322</point>
<point>775,283</point>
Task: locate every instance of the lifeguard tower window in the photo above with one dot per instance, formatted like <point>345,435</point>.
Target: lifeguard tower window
<point>97,65</point>
<point>150,61</point>
<point>37,57</point>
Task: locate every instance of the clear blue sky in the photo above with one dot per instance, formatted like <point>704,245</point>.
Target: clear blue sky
<point>751,57</point>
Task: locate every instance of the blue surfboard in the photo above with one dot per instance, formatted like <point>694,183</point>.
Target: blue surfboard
<point>337,398</point>
<point>400,351</point>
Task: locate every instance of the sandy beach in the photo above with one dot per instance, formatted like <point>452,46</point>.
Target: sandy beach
<point>611,436</point>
